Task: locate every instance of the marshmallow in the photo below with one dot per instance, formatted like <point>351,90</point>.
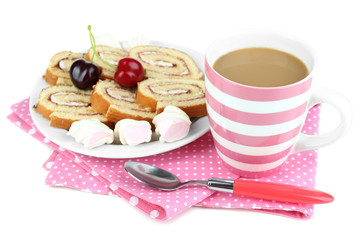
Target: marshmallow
<point>91,133</point>
<point>172,124</point>
<point>132,132</point>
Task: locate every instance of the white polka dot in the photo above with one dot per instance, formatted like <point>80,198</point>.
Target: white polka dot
<point>32,131</point>
<point>154,213</point>
<point>113,187</point>
<point>61,149</point>
<point>49,164</point>
<point>134,201</point>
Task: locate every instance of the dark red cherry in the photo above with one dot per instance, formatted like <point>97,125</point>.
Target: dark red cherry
<point>84,74</point>
<point>129,72</point>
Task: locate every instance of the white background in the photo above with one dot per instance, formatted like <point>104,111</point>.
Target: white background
<point>32,31</point>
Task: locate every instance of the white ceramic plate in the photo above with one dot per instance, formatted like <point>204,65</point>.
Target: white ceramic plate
<point>59,136</point>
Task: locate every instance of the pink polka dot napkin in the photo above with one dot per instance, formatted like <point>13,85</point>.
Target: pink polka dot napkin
<point>196,160</point>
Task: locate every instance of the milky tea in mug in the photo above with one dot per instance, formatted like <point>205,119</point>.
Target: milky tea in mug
<point>258,92</point>
<point>261,67</point>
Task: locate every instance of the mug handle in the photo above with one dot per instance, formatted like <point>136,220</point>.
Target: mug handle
<point>341,104</point>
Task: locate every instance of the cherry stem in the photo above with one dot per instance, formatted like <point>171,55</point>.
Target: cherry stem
<point>93,45</point>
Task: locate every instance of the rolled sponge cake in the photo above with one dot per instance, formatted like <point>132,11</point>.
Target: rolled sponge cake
<point>63,105</point>
<point>118,103</point>
<point>162,62</point>
<point>186,94</point>
<point>59,66</point>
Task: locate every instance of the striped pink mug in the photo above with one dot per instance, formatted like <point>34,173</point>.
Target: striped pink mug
<point>255,129</point>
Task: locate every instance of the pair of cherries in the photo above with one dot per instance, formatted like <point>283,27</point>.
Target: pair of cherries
<point>85,74</point>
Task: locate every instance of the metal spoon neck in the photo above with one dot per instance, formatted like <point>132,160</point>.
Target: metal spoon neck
<point>220,184</point>
<point>194,182</point>
<point>217,184</point>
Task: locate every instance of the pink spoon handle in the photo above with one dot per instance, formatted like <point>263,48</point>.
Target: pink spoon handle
<point>280,192</point>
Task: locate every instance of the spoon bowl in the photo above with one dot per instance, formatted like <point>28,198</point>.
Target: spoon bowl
<point>156,177</point>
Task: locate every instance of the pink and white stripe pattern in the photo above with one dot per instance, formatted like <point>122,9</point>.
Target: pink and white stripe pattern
<point>254,129</point>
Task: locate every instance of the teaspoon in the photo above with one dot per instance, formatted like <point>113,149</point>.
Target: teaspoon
<point>164,180</point>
